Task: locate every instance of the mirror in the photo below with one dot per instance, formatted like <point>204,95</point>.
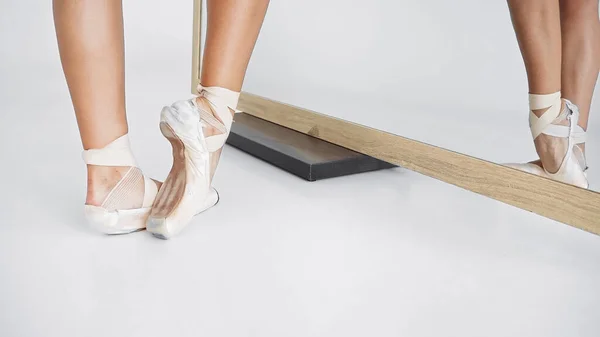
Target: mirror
<point>428,71</point>
<point>433,72</point>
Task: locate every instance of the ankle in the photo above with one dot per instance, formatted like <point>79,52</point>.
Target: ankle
<point>101,180</point>
<point>203,104</point>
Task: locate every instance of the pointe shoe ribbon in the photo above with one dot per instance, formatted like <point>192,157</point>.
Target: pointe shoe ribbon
<point>572,168</point>
<point>221,100</point>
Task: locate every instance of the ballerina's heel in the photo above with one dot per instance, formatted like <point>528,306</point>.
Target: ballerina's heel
<point>109,217</point>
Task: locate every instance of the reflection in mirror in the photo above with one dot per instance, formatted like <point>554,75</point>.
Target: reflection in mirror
<point>445,73</point>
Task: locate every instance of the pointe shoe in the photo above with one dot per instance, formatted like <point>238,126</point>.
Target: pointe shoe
<point>531,167</point>
<point>187,190</point>
<point>108,218</point>
<point>572,169</point>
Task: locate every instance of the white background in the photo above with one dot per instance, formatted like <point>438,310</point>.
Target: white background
<point>389,253</point>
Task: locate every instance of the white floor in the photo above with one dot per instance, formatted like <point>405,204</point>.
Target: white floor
<point>389,253</point>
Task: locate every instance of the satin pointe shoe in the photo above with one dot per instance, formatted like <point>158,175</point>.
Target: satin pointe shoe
<point>187,190</point>
<point>572,169</point>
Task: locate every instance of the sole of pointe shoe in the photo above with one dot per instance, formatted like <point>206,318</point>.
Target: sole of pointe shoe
<point>169,216</point>
<point>116,222</point>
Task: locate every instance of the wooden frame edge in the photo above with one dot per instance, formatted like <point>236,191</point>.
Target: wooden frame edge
<point>196,45</point>
<point>568,204</point>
